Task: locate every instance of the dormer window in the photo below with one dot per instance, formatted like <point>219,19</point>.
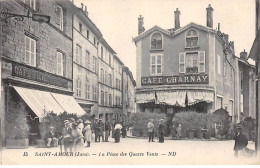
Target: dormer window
<point>156,41</point>
<point>192,37</point>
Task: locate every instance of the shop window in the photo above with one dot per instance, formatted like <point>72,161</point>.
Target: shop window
<point>30,51</point>
<point>59,17</point>
<point>78,90</point>
<point>78,54</point>
<point>31,3</point>
<point>156,64</point>
<point>156,41</point>
<point>192,38</point>
<point>87,59</point>
<point>59,69</point>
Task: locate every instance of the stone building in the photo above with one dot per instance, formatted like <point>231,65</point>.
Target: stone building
<point>36,62</point>
<point>194,66</point>
<point>85,62</point>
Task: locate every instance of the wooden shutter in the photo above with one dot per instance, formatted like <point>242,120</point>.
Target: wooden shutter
<point>202,61</point>
<point>182,62</point>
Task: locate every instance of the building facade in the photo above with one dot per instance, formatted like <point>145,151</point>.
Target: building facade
<point>85,62</point>
<point>192,66</point>
<point>36,61</point>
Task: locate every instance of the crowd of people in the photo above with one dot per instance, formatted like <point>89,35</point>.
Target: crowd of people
<point>78,134</point>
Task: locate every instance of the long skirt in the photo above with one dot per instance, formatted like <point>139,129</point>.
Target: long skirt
<point>117,135</point>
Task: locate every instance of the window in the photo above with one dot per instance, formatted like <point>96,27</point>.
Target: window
<point>94,64</point>
<point>241,80</point>
<point>110,80</point>
<point>156,64</point>
<point>225,68</point>
<point>59,17</point>
<point>106,78</point>
<point>80,27</point>
<point>116,83</point>
<point>109,60</point>
<point>102,76</point>
<point>230,107</point>
<point>102,98</point>
<point>30,51</point>
<point>110,100</point>
<point>219,65</point>
<point>102,52</point>
<point>59,69</point>
<point>94,41</point>
<point>106,99</point>
<point>78,90</point>
<point>87,87</point>
<point>119,84</point>
<point>231,74</point>
<point>94,92</point>
<point>87,60</point>
<point>88,34</point>
<point>193,62</point>
<point>78,54</point>
<point>31,3</point>
<point>156,41</point>
<point>241,103</point>
<point>192,38</point>
<point>219,102</point>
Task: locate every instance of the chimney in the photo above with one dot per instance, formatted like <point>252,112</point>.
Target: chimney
<point>177,18</point>
<point>210,16</point>
<point>86,10</point>
<point>82,6</point>
<point>243,55</point>
<point>140,24</point>
<point>218,27</point>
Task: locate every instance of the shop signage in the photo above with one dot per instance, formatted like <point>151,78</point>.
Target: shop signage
<point>173,80</point>
<point>36,75</point>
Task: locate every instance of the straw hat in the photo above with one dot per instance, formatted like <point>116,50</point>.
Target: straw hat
<point>66,122</point>
<point>51,127</point>
<point>87,122</point>
<point>79,121</point>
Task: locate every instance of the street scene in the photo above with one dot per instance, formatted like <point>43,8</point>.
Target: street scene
<point>113,80</point>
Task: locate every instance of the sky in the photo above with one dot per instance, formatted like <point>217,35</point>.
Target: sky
<point>118,20</point>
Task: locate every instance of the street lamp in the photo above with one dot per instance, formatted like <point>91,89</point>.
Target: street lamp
<point>35,17</point>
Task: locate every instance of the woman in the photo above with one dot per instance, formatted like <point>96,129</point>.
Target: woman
<point>173,131</point>
<point>178,131</point>
<point>88,132</point>
<point>123,130</point>
<point>161,131</point>
<point>118,128</point>
<point>78,137</point>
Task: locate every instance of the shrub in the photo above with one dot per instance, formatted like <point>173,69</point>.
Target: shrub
<point>221,116</point>
<point>141,119</point>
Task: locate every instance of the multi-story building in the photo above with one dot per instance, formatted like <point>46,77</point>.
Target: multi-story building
<point>36,61</point>
<point>85,62</point>
<point>128,94</point>
<point>118,71</point>
<point>105,80</point>
<point>192,66</point>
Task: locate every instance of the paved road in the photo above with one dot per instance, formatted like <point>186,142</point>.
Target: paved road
<point>135,151</point>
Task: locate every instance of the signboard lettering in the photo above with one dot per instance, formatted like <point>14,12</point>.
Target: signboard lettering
<point>173,80</point>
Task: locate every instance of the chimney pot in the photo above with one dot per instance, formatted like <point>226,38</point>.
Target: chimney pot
<point>243,55</point>
<point>210,16</point>
<point>82,6</point>
<point>140,24</point>
<point>86,10</point>
<point>219,27</point>
<point>177,18</point>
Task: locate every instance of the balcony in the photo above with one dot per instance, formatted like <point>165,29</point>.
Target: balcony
<point>192,70</point>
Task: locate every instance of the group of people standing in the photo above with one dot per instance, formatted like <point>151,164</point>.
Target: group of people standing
<point>161,131</point>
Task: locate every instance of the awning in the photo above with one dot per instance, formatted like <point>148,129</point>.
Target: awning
<point>176,97</point>
<point>41,102</point>
<point>69,104</point>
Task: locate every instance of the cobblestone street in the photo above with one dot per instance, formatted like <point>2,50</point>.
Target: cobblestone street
<point>138,151</point>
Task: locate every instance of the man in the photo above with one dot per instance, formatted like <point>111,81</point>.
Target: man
<point>96,129</point>
<point>107,130</point>
<point>50,136</point>
<point>101,130</point>
<point>150,127</point>
<point>240,140</point>
<point>66,138</point>
<point>161,131</point>
<point>123,130</point>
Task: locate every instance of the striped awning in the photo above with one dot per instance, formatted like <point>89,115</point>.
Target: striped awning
<point>41,102</point>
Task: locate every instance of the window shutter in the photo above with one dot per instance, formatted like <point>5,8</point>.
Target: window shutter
<point>202,61</point>
<point>38,5</point>
<point>64,20</point>
<point>182,62</point>
<point>64,64</point>
<point>58,15</point>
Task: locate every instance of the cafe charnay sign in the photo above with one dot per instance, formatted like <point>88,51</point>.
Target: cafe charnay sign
<point>172,80</point>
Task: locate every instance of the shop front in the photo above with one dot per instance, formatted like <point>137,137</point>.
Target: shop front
<point>29,94</point>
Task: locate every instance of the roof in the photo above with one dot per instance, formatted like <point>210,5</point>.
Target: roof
<point>104,42</point>
<point>118,59</point>
<point>173,32</point>
<point>130,74</point>
<point>255,48</point>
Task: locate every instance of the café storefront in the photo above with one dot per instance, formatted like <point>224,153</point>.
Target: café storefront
<point>166,93</point>
<point>34,92</point>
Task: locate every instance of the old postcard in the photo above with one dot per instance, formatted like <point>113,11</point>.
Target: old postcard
<point>139,82</point>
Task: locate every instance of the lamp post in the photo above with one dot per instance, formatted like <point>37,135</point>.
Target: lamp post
<point>35,17</point>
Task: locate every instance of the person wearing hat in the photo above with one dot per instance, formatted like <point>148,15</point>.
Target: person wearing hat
<point>80,125</point>
<point>161,131</point>
<point>96,129</point>
<point>101,130</point>
<point>178,129</point>
<point>240,140</point>
<point>66,138</point>
<point>77,135</point>
<point>50,136</point>
<point>118,128</point>
<point>107,130</point>
<point>88,132</point>
<point>150,127</point>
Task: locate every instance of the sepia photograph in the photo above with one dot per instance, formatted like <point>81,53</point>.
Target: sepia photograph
<point>137,82</point>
